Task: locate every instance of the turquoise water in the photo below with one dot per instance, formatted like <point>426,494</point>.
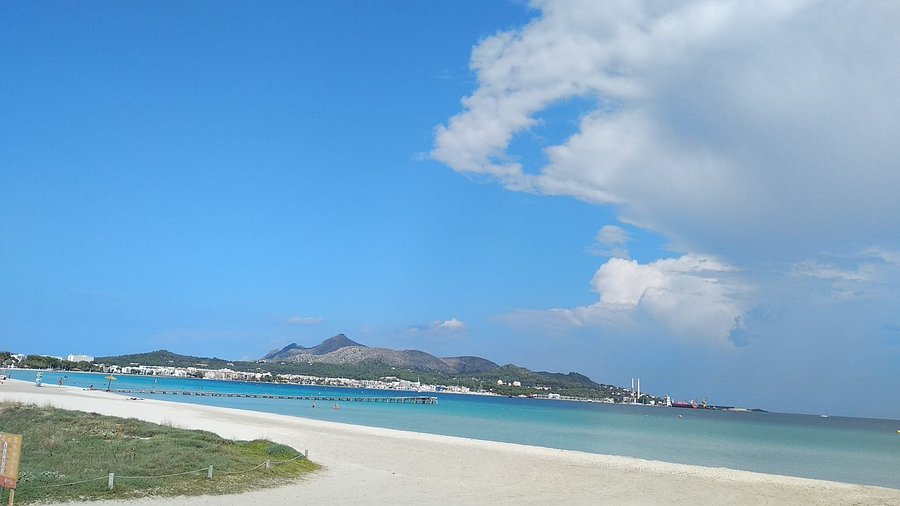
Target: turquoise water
<point>852,450</point>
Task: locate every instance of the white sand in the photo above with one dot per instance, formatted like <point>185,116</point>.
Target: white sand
<point>366,465</point>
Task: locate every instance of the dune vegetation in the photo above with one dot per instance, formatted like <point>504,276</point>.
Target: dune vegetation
<point>68,455</point>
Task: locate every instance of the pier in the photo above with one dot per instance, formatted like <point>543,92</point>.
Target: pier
<point>323,398</point>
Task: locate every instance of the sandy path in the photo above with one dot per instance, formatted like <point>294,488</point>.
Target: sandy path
<point>373,466</point>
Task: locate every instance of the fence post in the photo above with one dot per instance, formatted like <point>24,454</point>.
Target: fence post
<point>268,464</point>
<point>209,473</point>
<point>112,480</point>
<point>306,454</point>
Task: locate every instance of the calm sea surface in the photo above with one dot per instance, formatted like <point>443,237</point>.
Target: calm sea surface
<point>853,450</point>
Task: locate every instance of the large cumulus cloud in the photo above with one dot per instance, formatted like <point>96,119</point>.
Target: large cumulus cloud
<point>746,130</point>
<point>691,298</point>
<point>759,133</point>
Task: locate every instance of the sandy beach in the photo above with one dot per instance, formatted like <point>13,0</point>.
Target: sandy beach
<point>364,465</point>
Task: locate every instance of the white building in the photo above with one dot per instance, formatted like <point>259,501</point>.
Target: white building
<point>80,358</point>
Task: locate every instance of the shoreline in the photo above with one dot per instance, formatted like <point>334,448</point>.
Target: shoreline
<point>733,409</point>
<point>387,466</point>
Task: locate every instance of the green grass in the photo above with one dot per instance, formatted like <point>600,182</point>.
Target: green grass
<point>61,447</point>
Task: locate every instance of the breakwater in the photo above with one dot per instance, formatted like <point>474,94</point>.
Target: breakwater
<point>322,398</point>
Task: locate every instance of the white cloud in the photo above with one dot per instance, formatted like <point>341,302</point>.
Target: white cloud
<point>611,235</point>
<point>815,269</point>
<point>874,272</point>
<point>611,241</point>
<point>696,298</point>
<point>451,324</point>
<point>444,328</point>
<point>751,130</point>
<point>686,295</point>
<point>888,257</point>
<point>304,320</point>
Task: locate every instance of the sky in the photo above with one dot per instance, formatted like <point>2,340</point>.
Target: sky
<point>701,194</point>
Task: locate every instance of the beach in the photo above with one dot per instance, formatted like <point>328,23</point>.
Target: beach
<point>365,465</point>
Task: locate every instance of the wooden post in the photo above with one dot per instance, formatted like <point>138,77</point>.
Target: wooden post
<point>12,496</point>
<point>306,454</point>
<point>268,465</point>
<point>112,480</point>
<point>209,473</point>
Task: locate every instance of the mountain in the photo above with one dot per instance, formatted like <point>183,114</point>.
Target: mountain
<point>470,365</point>
<point>285,352</point>
<point>341,350</point>
<point>327,346</point>
<point>333,344</point>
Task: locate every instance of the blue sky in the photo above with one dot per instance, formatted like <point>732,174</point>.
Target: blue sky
<point>700,194</point>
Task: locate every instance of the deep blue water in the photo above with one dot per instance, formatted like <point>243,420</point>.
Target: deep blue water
<point>852,450</point>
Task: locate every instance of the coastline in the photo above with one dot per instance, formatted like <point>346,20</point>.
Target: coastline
<point>386,466</point>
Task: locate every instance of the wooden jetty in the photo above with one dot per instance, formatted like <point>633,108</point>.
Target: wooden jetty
<point>323,398</point>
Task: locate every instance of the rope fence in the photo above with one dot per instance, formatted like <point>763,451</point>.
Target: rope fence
<point>160,475</point>
<point>266,463</point>
<point>51,485</point>
<point>298,457</point>
<point>112,477</point>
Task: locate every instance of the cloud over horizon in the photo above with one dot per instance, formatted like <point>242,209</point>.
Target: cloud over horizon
<point>692,298</point>
<point>304,320</point>
<point>438,329</point>
<point>611,241</point>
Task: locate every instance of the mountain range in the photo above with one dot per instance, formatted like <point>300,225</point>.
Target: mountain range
<point>341,350</point>
<point>340,356</point>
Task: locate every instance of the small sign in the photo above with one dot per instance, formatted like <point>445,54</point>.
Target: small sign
<point>10,450</point>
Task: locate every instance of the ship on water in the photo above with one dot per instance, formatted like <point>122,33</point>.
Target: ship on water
<point>692,404</point>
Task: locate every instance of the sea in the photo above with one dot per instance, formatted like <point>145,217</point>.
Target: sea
<point>851,450</point>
